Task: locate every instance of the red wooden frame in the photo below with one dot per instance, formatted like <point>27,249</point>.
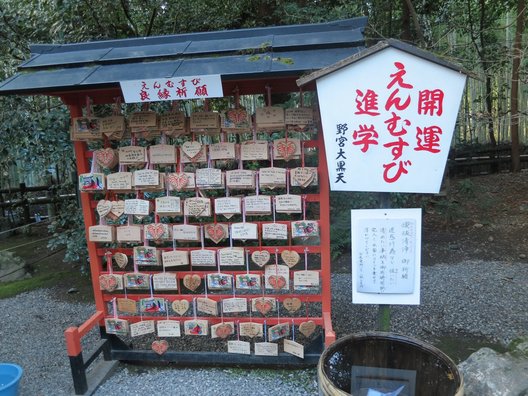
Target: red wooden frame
<point>96,255</point>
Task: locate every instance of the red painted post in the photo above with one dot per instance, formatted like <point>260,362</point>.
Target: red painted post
<point>73,341</point>
<point>88,214</point>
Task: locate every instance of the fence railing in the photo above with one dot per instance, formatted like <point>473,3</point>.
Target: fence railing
<point>470,161</point>
<point>473,161</point>
<point>23,197</point>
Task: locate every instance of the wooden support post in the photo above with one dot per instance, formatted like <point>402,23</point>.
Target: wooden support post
<point>73,346</point>
<point>326,273</point>
<point>384,317</point>
<point>25,204</point>
<point>2,206</point>
<point>83,166</point>
<point>384,312</point>
<point>80,382</point>
<point>78,366</point>
<point>52,195</point>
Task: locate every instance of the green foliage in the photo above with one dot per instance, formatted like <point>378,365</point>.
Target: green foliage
<point>9,258</point>
<point>519,347</point>
<point>467,187</point>
<point>67,230</point>
<point>340,205</point>
<point>342,202</point>
<point>450,209</point>
<point>10,289</point>
<point>34,130</point>
<point>399,200</point>
<point>34,134</point>
<point>294,12</point>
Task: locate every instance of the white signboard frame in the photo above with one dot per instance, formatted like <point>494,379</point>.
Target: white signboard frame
<point>406,224</point>
<point>172,88</point>
<point>388,122</point>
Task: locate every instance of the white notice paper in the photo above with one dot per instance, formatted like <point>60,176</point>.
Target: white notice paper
<point>386,256</point>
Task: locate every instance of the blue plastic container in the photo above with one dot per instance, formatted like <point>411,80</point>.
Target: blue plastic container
<point>10,375</point>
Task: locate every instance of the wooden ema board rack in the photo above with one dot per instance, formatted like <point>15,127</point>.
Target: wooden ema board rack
<point>213,327</point>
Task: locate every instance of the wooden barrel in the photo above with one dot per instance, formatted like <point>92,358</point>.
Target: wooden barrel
<point>385,362</point>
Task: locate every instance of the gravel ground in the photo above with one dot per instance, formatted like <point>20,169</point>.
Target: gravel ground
<point>32,336</point>
<point>472,298</point>
<point>480,299</point>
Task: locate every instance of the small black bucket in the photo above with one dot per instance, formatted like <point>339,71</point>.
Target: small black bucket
<point>375,363</point>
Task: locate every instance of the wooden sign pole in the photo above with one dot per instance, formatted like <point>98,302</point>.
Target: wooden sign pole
<point>384,312</point>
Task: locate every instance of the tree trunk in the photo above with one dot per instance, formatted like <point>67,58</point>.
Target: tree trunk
<point>489,112</point>
<point>412,12</point>
<point>405,22</point>
<point>514,106</point>
<point>487,84</point>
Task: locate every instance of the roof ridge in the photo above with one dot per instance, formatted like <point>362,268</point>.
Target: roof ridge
<point>341,24</point>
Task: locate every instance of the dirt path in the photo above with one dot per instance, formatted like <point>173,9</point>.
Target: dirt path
<point>482,218</point>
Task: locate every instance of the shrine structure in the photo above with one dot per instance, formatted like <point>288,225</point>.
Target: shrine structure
<point>208,230</point>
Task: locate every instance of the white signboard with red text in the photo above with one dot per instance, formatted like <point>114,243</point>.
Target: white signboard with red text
<point>175,88</point>
<point>388,121</point>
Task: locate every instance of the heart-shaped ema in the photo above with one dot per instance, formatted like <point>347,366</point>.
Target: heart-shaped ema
<point>260,257</point>
<point>277,282</point>
<point>192,282</point>
<point>290,257</point>
<point>121,259</point>
<point>307,328</point>
<point>286,149</point>
<point>160,346</point>
<point>156,230</point>
<point>291,304</point>
<point>180,306</point>
<point>177,181</point>
<point>103,207</point>
<point>215,232</point>
<point>108,282</point>
<point>107,158</point>
<point>118,208</point>
<point>224,330</point>
<point>191,149</point>
<point>237,116</point>
<point>303,176</point>
<point>263,305</point>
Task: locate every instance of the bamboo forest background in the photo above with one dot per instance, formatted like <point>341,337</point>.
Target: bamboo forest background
<point>477,34</point>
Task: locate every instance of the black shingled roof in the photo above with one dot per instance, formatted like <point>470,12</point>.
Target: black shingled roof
<point>238,55</point>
